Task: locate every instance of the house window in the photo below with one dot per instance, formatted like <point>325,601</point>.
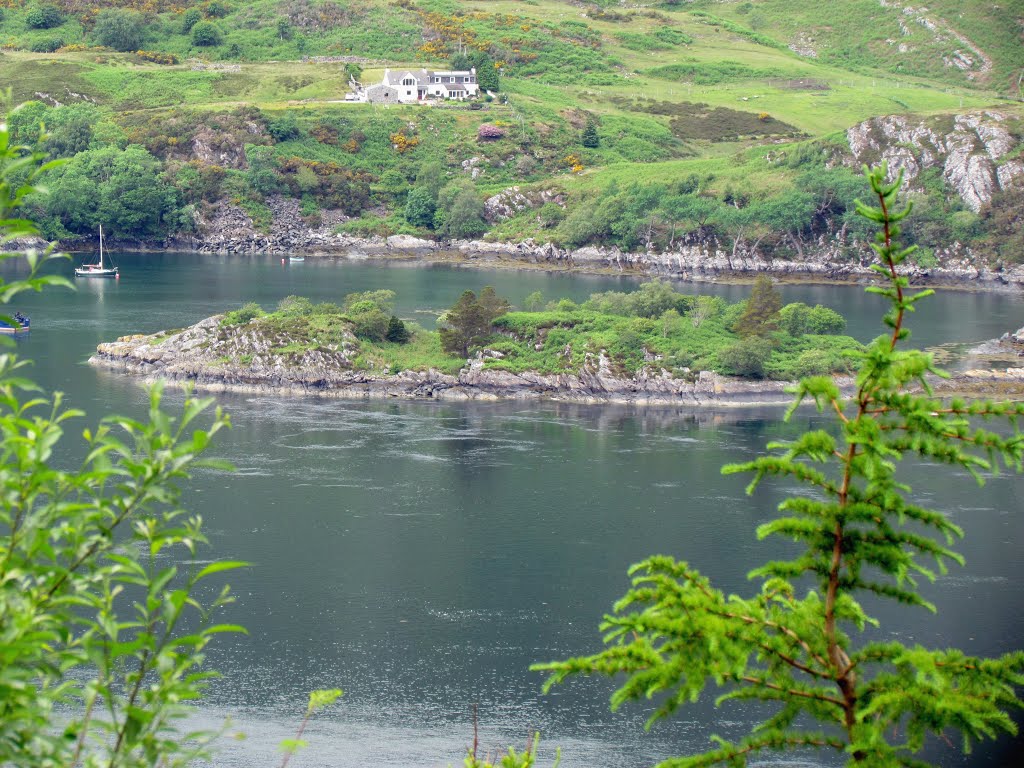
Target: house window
<point>408,81</point>
<point>451,79</point>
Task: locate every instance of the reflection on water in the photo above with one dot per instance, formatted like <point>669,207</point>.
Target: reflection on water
<point>421,556</point>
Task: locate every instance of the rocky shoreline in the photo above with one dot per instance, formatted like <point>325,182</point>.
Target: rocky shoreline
<point>958,269</point>
<point>973,152</point>
<point>229,230</point>
<point>215,359</point>
<point>206,357</point>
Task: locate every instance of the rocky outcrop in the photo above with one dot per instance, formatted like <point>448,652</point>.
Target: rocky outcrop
<point>972,151</point>
<point>959,51</point>
<point>214,147</point>
<point>826,259</point>
<point>252,358</point>
<point>226,228</point>
<point>513,200</point>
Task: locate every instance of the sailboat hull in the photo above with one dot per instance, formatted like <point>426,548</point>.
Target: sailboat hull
<point>97,269</point>
<point>89,270</point>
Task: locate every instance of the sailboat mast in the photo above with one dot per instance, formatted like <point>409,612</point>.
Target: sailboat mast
<point>101,246</point>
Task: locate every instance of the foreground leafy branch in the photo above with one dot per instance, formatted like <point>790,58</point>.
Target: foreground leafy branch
<point>102,629</point>
<point>862,533</point>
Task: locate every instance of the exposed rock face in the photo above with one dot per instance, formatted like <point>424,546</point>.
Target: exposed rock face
<point>218,148</point>
<point>511,201</point>
<point>245,358</point>
<point>960,52</point>
<point>971,153</point>
<point>229,229</point>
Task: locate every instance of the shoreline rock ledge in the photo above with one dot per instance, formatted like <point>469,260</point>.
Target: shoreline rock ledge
<point>236,359</point>
<point>244,358</point>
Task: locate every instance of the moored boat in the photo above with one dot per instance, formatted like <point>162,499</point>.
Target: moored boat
<point>21,325</point>
<point>98,269</point>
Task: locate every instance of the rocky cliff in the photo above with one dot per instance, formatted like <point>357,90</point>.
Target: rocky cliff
<point>975,151</point>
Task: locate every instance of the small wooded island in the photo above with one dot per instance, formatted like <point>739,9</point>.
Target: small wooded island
<point>651,346</point>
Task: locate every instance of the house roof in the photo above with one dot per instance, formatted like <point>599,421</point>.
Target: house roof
<point>421,76</point>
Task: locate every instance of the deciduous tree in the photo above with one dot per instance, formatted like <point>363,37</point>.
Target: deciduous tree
<point>101,630</point>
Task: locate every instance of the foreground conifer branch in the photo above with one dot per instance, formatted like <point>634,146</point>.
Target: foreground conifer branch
<point>862,532</point>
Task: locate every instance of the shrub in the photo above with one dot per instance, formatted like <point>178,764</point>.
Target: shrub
<point>295,305</point>
<point>798,318</point>
<point>44,17</point>
<point>215,9</point>
<point>158,57</point>
<point>747,358</point>
<point>244,314</point>
<point>397,332</point>
<point>369,322</point>
<point>46,45</point>
<point>420,207</point>
<point>189,19</point>
<point>490,132</point>
<point>118,29</point>
<point>205,34</point>
<point>284,127</point>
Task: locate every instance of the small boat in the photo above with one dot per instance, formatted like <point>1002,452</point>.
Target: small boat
<point>97,269</point>
<point>296,258</point>
<point>21,325</point>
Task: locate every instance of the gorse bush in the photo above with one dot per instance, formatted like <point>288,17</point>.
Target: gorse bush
<point>800,654</point>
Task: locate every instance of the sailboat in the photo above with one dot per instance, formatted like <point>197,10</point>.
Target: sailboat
<point>97,269</point>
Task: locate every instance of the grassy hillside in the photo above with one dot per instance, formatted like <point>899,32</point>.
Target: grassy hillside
<point>731,104</point>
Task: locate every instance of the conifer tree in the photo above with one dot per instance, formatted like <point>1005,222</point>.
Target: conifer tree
<point>862,534</point>
<point>762,313</point>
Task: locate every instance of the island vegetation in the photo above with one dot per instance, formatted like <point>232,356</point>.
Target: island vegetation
<point>654,326</point>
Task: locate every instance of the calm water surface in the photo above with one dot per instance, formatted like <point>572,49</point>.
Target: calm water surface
<point>421,556</point>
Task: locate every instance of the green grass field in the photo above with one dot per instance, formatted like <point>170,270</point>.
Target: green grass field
<point>705,88</point>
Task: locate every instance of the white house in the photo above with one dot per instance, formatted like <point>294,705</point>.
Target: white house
<point>415,85</point>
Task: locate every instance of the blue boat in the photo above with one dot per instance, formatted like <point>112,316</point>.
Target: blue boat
<point>22,325</point>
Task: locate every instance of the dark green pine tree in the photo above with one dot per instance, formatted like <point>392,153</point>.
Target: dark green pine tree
<point>486,73</point>
<point>589,137</point>
<point>470,320</point>
<point>464,325</point>
<point>762,313</point>
<point>801,653</point>
<point>397,332</point>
